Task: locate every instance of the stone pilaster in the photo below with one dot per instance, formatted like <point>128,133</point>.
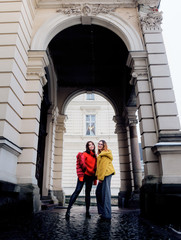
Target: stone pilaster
<point>35,80</point>
<point>164,108</point>
<point>146,112</point>
<point>49,154</point>
<point>163,95</point>
<point>58,158</point>
<point>31,115</point>
<point>124,159</point>
<point>160,193</point>
<point>135,152</point>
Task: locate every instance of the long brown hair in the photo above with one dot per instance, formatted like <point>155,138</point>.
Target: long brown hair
<point>88,150</point>
<point>105,147</point>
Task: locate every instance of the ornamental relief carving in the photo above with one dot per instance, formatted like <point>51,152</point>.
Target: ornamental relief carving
<point>41,75</point>
<point>87,9</point>
<point>150,3</point>
<point>150,18</point>
<point>152,21</point>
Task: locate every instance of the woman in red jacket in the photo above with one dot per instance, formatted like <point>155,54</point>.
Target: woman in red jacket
<point>86,167</point>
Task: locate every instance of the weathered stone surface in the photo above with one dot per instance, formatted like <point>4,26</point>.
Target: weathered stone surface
<point>51,224</point>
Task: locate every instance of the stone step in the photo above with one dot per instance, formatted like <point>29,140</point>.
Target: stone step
<point>48,206</point>
<point>47,203</point>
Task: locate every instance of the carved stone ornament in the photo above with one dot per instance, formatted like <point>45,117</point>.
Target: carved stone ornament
<point>40,74</point>
<point>55,113</point>
<point>87,9</point>
<point>136,75</point>
<point>150,3</point>
<point>150,18</point>
<point>132,122</point>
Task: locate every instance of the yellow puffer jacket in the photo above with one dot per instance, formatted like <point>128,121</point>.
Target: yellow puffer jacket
<point>104,165</point>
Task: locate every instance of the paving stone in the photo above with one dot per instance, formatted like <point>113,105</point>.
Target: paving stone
<point>52,225</point>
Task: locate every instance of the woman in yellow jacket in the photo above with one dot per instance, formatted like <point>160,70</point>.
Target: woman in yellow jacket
<point>104,172</point>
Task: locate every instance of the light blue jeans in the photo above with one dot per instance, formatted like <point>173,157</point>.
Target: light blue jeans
<point>103,196</point>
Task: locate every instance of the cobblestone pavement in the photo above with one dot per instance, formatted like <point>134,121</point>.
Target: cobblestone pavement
<point>51,225</point>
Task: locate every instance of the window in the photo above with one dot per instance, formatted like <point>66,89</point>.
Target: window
<point>90,125</point>
<point>90,96</point>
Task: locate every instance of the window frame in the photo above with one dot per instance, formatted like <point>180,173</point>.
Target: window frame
<point>90,122</point>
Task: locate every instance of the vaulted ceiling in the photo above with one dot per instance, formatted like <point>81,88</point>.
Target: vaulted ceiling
<point>91,57</point>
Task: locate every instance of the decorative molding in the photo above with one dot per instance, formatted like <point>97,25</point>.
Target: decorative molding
<point>55,114</point>
<point>131,116</point>
<point>40,75</point>
<point>120,124</point>
<point>60,124</point>
<point>37,61</point>
<point>150,18</point>
<point>56,4</point>
<point>136,75</point>
<point>150,3</point>
<point>132,122</point>
<point>87,9</point>
<point>10,147</point>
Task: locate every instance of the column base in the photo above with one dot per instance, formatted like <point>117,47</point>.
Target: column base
<point>60,195</point>
<point>161,202</point>
<point>21,199</point>
<point>123,199</point>
<point>134,201</point>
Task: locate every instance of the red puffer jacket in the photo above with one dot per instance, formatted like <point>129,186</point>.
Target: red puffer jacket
<point>90,161</point>
<point>81,166</point>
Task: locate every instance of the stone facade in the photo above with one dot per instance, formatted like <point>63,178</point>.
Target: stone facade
<point>75,138</point>
<point>144,83</point>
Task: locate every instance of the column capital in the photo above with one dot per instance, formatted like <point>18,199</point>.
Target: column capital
<point>150,17</point>
<point>131,115</point>
<point>37,61</point>
<point>137,61</point>
<point>54,112</point>
<point>60,123</point>
<point>120,124</point>
<point>136,58</point>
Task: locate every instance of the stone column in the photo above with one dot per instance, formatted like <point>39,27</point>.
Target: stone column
<point>135,152</point>
<point>58,159</point>
<point>47,190</point>
<point>124,159</point>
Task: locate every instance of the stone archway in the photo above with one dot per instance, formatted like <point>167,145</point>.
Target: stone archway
<point>148,75</point>
<point>60,22</point>
<point>76,136</point>
<point>24,58</point>
<point>58,185</point>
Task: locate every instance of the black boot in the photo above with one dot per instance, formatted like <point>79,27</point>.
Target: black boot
<point>67,215</point>
<point>88,214</point>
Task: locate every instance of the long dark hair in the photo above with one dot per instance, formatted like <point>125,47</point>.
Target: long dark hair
<point>88,150</point>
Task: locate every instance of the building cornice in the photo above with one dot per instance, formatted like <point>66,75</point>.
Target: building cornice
<point>69,3</point>
<point>122,3</point>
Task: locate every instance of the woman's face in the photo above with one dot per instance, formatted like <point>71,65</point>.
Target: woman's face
<point>100,145</point>
<point>91,146</point>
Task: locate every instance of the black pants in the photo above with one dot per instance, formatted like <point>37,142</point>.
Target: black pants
<point>88,180</point>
